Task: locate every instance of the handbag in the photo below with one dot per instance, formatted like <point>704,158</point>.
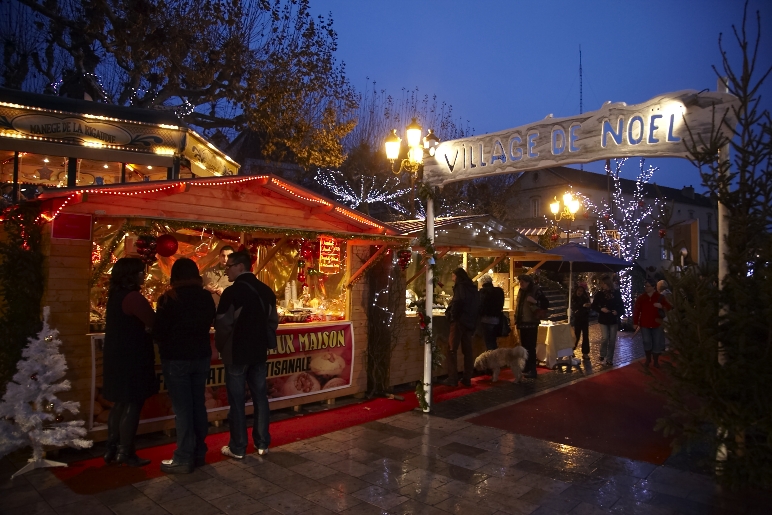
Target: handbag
<point>504,328</point>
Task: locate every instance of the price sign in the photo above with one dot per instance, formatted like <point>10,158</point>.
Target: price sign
<point>329,255</point>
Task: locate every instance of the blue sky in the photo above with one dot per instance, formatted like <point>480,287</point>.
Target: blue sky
<point>506,63</point>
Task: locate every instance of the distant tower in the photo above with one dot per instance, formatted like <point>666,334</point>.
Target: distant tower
<point>581,107</point>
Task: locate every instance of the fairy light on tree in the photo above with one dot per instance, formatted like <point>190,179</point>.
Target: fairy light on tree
<point>371,190</point>
<point>627,221</point>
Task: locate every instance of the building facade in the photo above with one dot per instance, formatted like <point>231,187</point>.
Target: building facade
<point>689,219</point>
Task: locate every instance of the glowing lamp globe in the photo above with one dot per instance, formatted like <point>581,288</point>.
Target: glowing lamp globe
<point>166,245</point>
<point>413,134</point>
<point>392,145</point>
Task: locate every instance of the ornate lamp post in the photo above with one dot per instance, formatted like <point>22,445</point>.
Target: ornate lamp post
<point>570,208</point>
<point>414,165</point>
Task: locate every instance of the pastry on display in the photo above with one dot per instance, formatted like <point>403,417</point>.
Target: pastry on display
<point>300,383</point>
<point>335,382</point>
<point>327,365</point>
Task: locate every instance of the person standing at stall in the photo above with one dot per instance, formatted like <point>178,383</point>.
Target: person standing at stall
<point>463,312</point>
<point>184,316</point>
<point>649,311</point>
<point>610,307</point>
<point>128,361</point>
<point>491,306</point>
<point>216,276</point>
<point>580,316</point>
<point>527,321</point>
<point>242,331</point>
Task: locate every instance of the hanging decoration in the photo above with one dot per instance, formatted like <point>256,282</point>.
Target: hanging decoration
<point>662,233</point>
<point>328,251</point>
<point>403,258</point>
<point>166,245</point>
<point>146,248</point>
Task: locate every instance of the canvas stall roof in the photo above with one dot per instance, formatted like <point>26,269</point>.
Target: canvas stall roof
<point>472,233</point>
<point>251,203</point>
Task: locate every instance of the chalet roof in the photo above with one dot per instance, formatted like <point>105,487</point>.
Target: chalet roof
<point>308,200</point>
<point>74,105</point>
<point>411,227</point>
<point>582,179</point>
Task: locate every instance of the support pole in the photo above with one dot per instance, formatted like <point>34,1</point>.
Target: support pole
<point>16,186</point>
<point>429,306</point>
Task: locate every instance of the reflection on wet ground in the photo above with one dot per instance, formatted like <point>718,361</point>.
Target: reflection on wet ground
<point>411,463</point>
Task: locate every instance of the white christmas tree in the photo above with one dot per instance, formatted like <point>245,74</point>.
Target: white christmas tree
<point>628,220</point>
<point>31,412</point>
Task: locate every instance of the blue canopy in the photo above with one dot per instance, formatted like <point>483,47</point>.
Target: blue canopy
<point>578,258</point>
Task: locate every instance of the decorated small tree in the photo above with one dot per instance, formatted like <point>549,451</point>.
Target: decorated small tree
<point>30,412</point>
<point>628,220</point>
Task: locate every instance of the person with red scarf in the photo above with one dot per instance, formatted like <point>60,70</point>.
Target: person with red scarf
<point>648,312</point>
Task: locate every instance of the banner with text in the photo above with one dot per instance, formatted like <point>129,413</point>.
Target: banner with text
<point>310,358</point>
<point>660,127</point>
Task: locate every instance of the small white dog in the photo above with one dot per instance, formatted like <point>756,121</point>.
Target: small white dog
<point>513,357</point>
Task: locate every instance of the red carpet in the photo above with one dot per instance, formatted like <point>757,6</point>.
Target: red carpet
<point>93,476</point>
<point>613,413</point>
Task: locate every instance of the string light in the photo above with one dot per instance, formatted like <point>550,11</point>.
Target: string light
<point>370,192</point>
<point>630,222</point>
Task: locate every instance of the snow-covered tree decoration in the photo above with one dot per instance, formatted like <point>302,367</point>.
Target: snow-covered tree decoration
<point>30,412</point>
<point>626,222</point>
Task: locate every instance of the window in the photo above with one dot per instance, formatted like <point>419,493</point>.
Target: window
<point>535,211</point>
<point>710,220</point>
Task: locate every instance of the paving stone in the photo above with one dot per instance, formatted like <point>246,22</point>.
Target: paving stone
<point>238,504</point>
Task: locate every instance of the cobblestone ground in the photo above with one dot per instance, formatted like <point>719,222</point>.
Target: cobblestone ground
<point>411,463</point>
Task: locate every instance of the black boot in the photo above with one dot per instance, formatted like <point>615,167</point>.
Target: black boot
<point>127,456</point>
<point>109,455</point>
<point>648,358</point>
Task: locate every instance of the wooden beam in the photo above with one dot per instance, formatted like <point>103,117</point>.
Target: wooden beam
<point>322,209</point>
<point>495,262</point>
<point>270,253</point>
<point>423,268</point>
<point>364,267</point>
<point>535,268</point>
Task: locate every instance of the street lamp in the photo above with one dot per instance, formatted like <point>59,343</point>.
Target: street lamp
<point>414,165</point>
<point>415,154</point>
<point>570,208</point>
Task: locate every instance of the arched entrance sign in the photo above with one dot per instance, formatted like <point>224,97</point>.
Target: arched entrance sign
<point>661,127</point>
<point>657,128</point>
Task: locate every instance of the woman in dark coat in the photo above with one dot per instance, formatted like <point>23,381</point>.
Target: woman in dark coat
<point>491,305</point>
<point>129,371</point>
<point>610,307</point>
<point>527,322</point>
<point>580,316</point>
<point>183,319</point>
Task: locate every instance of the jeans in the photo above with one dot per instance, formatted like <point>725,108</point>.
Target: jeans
<point>460,337</point>
<point>253,376</point>
<point>490,333</point>
<point>582,330</point>
<point>528,336</point>
<point>608,340</point>
<point>186,380</point>
<point>653,339</point>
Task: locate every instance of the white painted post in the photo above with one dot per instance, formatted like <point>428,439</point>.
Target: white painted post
<point>429,306</point>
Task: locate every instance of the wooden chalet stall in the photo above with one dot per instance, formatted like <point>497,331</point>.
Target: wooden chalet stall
<point>478,243</point>
<point>112,180</point>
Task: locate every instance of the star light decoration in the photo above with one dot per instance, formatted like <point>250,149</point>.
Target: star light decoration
<point>628,221</point>
<point>370,190</point>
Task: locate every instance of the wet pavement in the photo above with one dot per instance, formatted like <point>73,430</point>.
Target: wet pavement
<point>410,463</point>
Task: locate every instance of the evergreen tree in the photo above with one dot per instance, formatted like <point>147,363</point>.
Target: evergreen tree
<point>31,412</point>
<point>721,331</point>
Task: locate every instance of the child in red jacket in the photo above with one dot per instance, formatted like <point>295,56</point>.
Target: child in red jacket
<point>648,317</point>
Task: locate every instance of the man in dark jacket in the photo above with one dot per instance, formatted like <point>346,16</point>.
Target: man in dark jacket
<point>491,306</point>
<point>463,314</point>
<point>242,337</point>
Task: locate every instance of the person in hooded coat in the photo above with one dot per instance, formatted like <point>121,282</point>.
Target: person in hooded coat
<point>463,314</point>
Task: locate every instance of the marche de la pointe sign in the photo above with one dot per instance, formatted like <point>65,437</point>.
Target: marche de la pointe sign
<point>660,127</point>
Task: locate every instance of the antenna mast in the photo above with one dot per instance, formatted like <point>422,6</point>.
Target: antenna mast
<point>581,108</point>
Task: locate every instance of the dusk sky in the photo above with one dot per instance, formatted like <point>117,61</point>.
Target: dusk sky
<point>506,63</point>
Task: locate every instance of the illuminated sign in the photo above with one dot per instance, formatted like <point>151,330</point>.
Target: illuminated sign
<point>329,255</point>
<point>657,128</point>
